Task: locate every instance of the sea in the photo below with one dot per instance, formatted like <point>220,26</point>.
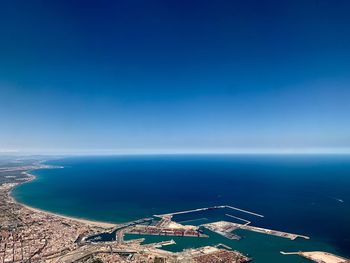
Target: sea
<point>303,194</point>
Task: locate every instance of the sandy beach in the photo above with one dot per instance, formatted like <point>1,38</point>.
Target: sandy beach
<point>37,210</point>
<point>84,221</point>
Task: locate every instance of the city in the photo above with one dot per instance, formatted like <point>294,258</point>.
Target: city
<point>32,235</point>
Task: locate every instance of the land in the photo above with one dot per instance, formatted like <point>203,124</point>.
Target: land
<point>319,256</point>
<point>31,235</point>
<point>79,220</point>
<point>225,228</point>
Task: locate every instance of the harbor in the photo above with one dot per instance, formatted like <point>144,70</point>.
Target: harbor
<point>225,228</point>
<point>319,256</point>
<point>170,215</point>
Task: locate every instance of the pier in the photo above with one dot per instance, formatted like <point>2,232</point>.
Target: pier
<point>319,256</point>
<point>223,245</point>
<point>290,253</point>
<point>161,244</point>
<point>269,231</point>
<point>159,231</point>
<point>225,228</point>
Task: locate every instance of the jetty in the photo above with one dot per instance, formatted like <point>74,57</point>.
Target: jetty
<point>170,215</point>
<point>241,210</point>
<point>236,217</point>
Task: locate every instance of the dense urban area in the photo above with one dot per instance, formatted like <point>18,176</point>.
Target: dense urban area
<point>31,235</point>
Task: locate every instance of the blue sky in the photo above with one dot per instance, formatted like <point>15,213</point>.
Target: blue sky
<point>174,76</point>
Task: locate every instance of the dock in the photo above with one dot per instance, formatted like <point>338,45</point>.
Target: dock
<point>160,231</point>
<point>319,256</point>
<point>223,245</point>
<point>290,253</point>
<point>225,228</point>
<point>270,231</point>
<point>161,244</point>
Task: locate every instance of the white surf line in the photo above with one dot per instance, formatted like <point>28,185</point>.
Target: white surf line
<point>247,222</point>
<point>244,211</point>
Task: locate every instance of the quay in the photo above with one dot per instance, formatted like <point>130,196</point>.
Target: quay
<point>223,245</point>
<point>270,232</point>
<point>225,228</point>
<point>290,253</point>
<point>222,228</point>
<point>159,231</point>
<point>319,256</point>
<point>161,244</point>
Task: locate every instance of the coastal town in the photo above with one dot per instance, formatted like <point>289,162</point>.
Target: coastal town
<point>166,131</point>
<point>32,235</point>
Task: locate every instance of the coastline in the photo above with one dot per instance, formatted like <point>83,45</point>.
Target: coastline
<point>32,177</point>
<point>80,220</point>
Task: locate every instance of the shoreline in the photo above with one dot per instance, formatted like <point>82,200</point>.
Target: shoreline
<point>32,177</point>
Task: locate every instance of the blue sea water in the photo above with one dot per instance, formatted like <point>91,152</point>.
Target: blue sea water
<point>306,194</point>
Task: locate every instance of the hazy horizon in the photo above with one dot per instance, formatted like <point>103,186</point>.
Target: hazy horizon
<point>70,152</point>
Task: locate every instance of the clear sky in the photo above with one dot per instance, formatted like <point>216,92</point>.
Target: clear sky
<point>174,76</point>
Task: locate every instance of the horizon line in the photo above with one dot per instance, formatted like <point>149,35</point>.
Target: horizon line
<point>102,152</point>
